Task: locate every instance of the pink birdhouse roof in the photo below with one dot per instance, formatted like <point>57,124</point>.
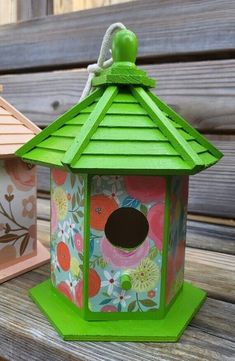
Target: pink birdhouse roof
<point>15,129</point>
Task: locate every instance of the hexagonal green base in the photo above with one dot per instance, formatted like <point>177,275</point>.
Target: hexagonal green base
<point>71,326</point>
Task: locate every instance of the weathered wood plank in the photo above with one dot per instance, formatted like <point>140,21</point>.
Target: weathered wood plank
<point>202,92</point>
<point>213,237</point>
<point>211,271</point>
<point>209,337</point>
<point>212,191</point>
<point>65,6</point>
<point>29,9</point>
<point>75,38</point>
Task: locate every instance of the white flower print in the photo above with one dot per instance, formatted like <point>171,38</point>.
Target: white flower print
<point>70,226</point>
<point>114,193</point>
<point>54,261</point>
<point>111,281</point>
<point>98,180</point>
<point>116,181</point>
<point>71,282</point>
<point>62,232</point>
<point>121,298</point>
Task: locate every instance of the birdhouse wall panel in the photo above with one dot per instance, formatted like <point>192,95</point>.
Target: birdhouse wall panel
<point>67,233</point>
<point>120,207</point>
<point>17,211</point>
<point>177,235</point>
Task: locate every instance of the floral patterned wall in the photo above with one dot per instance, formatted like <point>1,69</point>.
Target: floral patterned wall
<point>177,239</point>
<point>108,263</point>
<point>67,230</point>
<point>17,211</point>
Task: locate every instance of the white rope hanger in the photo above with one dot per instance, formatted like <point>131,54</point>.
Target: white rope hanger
<point>101,64</point>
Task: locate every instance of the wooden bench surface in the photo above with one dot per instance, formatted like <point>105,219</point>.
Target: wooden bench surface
<point>26,332</point>
<point>189,47</point>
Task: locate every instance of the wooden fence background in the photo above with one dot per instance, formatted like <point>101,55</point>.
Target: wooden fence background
<point>187,46</point>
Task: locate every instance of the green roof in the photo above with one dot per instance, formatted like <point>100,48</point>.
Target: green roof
<point>121,128</point>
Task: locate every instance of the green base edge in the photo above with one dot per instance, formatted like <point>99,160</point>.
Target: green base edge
<point>71,326</point>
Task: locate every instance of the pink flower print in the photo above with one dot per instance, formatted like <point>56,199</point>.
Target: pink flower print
<point>22,174</point>
<point>156,224</point>
<point>64,288</point>
<point>78,242</point>
<point>146,188</point>
<point>111,281</point>
<point>151,294</point>
<point>123,259</point>
<point>109,308</point>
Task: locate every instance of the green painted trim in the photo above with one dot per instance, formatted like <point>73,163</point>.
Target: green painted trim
<point>72,327</point>
<point>158,117</point>
<point>88,129</point>
<point>86,246</point>
<point>137,171</point>
<point>166,243</point>
<point>58,123</point>
<point>110,79</point>
<point>199,137</point>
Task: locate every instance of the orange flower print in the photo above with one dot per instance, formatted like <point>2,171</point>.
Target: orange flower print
<point>63,256</point>
<point>101,207</point>
<point>22,174</point>
<point>29,207</point>
<point>59,176</point>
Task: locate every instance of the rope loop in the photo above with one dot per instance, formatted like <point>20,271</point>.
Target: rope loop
<point>96,68</point>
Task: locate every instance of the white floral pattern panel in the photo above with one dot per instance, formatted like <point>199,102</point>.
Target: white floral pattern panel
<point>67,231</point>
<point>17,211</point>
<point>142,264</point>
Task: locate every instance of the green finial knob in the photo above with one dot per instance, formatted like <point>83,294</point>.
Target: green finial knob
<point>124,46</point>
<point>125,282</point>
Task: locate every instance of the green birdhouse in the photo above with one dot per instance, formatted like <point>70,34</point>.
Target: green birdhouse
<point>120,161</point>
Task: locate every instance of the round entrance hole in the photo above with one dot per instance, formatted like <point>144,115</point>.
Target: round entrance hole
<point>126,228</point>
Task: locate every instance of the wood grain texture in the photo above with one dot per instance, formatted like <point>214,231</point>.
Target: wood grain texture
<point>8,13</point>
<point>209,337</point>
<point>202,92</point>
<point>29,9</point>
<point>209,236</point>
<point>204,27</point>
<point>211,271</point>
<point>66,6</point>
<point>212,192</point>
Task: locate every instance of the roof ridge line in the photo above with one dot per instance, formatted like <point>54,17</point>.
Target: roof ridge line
<point>19,116</point>
<point>185,151</point>
<point>57,123</point>
<point>187,127</point>
<point>89,127</point>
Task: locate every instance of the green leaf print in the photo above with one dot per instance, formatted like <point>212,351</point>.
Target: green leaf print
<point>148,303</point>
<point>152,253</point>
<point>131,306</point>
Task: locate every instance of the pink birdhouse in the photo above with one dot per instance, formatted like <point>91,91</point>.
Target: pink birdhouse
<point>19,249</point>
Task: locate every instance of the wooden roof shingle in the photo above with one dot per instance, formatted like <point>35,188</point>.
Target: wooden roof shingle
<point>15,129</point>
